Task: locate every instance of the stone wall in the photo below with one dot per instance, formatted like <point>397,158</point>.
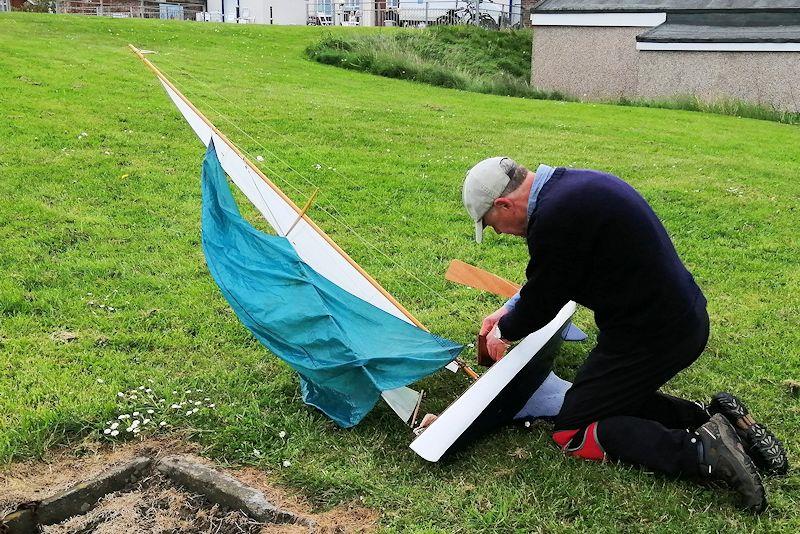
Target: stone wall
<point>525,7</point>
<point>602,63</point>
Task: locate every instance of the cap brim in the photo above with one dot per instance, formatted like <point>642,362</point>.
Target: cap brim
<point>479,230</point>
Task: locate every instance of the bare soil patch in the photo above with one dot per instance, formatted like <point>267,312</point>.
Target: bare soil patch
<point>154,504</point>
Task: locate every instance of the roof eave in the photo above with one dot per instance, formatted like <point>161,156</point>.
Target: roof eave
<point>640,39</point>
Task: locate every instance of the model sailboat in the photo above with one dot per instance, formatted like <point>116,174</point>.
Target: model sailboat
<point>302,296</point>
<point>348,339</point>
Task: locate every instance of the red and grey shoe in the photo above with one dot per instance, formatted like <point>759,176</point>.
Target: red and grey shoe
<point>761,445</point>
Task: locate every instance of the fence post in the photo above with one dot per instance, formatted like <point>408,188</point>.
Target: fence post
<point>477,12</point>
<point>427,22</point>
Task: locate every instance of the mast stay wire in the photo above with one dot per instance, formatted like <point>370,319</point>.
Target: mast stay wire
<point>345,179</point>
<point>338,218</point>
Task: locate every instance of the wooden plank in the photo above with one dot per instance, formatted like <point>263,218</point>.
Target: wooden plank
<point>469,275</point>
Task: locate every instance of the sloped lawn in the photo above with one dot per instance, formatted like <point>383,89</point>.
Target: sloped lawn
<point>103,287</point>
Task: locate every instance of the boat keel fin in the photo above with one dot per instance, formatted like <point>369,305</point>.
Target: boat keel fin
<point>405,403</point>
<point>573,333</point>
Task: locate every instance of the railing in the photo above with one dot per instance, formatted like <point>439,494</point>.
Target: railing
<point>491,15</point>
<point>130,9</point>
<point>496,14</point>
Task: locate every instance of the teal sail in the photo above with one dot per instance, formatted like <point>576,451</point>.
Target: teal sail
<point>345,350</point>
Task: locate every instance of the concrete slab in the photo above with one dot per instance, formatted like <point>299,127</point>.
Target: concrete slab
<point>76,500</point>
<point>225,490</point>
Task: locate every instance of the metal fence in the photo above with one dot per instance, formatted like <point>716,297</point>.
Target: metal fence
<point>420,14</point>
<point>5,5</point>
<point>491,14</point>
<point>130,9</point>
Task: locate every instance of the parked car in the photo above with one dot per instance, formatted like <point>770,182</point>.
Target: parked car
<point>319,18</point>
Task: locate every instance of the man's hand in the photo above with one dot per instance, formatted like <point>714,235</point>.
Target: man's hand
<point>426,422</point>
<point>490,321</point>
<point>497,347</point>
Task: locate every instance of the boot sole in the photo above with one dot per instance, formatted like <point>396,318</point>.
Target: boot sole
<point>733,409</point>
<point>766,451</point>
<point>762,446</point>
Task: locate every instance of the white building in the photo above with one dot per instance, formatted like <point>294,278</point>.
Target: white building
<point>286,12</point>
<point>712,50</point>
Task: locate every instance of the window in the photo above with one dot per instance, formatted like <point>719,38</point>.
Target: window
<point>170,11</point>
<point>323,6</point>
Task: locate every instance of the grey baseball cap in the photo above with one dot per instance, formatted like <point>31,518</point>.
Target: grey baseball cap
<point>483,185</point>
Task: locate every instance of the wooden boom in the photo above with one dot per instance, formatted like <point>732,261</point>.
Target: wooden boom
<point>471,276</point>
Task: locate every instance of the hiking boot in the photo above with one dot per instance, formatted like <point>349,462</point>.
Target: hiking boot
<point>724,458</point>
<point>763,447</point>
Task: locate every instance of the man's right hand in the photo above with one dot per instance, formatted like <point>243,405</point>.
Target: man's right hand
<point>490,321</point>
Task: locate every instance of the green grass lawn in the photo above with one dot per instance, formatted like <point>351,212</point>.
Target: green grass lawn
<point>112,217</point>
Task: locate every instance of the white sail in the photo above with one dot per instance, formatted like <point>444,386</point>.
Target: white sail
<point>404,401</point>
<point>313,247</point>
<point>281,214</point>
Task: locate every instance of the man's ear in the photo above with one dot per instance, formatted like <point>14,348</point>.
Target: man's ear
<point>502,203</point>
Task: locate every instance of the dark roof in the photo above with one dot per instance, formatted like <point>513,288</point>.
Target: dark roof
<point>726,28</point>
<point>661,6</point>
<point>685,33</point>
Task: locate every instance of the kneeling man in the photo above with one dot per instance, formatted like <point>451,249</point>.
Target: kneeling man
<point>593,239</point>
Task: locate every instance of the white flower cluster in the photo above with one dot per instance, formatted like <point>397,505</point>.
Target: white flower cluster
<point>151,408</point>
<point>101,306</point>
<point>95,304</point>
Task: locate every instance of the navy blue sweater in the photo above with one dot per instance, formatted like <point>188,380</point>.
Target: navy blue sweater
<point>593,239</point>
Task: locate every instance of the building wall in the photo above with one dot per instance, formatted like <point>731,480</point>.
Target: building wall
<point>283,11</point>
<point>771,78</point>
<point>592,63</point>
<point>602,63</point>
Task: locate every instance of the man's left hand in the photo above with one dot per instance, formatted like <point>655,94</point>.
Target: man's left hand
<point>495,346</point>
